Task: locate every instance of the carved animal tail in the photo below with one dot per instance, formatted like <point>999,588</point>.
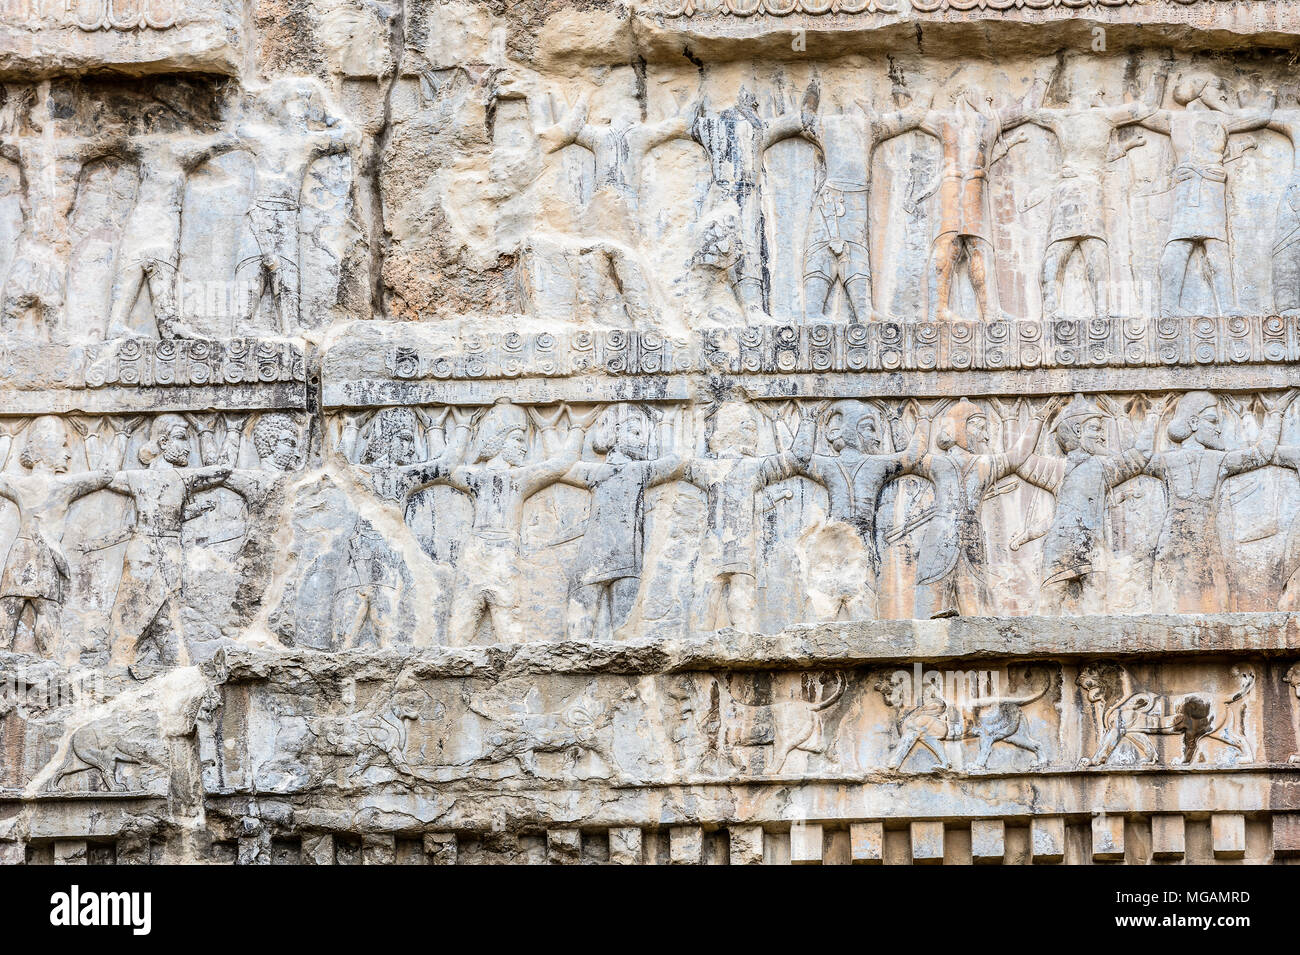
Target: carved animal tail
<point>1246,675</point>
<point>1022,700</point>
<point>841,682</point>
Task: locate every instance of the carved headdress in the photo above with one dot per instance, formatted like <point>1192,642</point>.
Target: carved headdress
<point>1070,424</point>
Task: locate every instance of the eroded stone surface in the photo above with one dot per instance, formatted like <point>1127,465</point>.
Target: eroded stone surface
<point>667,433</point>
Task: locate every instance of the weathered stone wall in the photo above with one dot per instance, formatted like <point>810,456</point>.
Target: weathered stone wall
<point>741,431</point>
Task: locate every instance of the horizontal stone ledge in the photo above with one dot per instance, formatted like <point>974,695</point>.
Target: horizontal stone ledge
<point>128,399</point>
<point>687,386</point>
<point>941,28</point>
<point>820,645</point>
<point>592,805</point>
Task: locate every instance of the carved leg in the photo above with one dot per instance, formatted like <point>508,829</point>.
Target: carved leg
<point>1173,273</point>
<point>126,291</point>
<point>11,612</point>
<point>935,746</point>
<point>946,250</point>
<point>622,598</point>
<point>1052,277</point>
<point>1286,278</point>
<point>817,287</point>
<point>980,268</point>
<point>742,601</point>
<point>1096,260</point>
<point>904,747</point>
<point>162,290</point>
<point>1218,262</point>
<point>48,624</point>
<point>583,607</point>
<point>467,606</point>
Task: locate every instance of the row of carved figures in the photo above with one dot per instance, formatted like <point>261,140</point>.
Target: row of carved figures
<point>284,128</point>
<point>617,453</point>
<point>972,132</point>
<point>720,725</point>
<point>682,727</point>
<point>490,463</point>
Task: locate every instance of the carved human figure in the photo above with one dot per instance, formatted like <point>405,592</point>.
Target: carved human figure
<point>730,477</point>
<point>969,134</point>
<point>951,566</point>
<point>1076,552</point>
<point>607,569</point>
<point>498,483</point>
<point>369,591</point>
<point>1200,135</point>
<point>1189,574</point>
<point>150,251</point>
<point>620,147</point>
<point>146,610</point>
<point>854,477</point>
<point>36,570</point>
<point>837,243</point>
<point>289,129</point>
<point>733,228</point>
<point>264,490</point>
<point>50,159</point>
<point>1286,234</point>
<point>389,456</point>
<point>1078,205</point>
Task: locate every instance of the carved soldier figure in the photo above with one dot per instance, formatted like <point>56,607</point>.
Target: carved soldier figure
<point>1286,236</point>
<point>612,552</point>
<point>148,597</point>
<point>1199,134</point>
<point>150,251</point>
<point>36,570</point>
<point>729,479</point>
<point>1076,553</point>
<point>498,483</point>
<point>854,477</point>
<point>733,224</point>
<point>1189,574</point>
<point>837,246</point>
<point>969,134</point>
<point>51,162</point>
<point>950,575</point>
<point>1077,204</point>
<point>293,130</point>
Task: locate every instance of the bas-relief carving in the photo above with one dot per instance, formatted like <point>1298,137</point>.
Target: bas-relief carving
<point>672,385</point>
<point>963,227</point>
<point>759,514</point>
<point>748,725</point>
<point>151,267</point>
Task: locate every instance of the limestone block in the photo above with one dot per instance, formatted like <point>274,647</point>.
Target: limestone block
<point>867,843</point>
<point>1228,835</point>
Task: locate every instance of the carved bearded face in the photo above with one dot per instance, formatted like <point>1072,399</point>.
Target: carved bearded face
<point>977,433</point>
<point>1293,678</point>
<point>285,453</point>
<point>1208,428</point>
<point>1092,436</point>
<point>175,446</point>
<point>633,438</point>
<point>514,449</point>
<point>401,449</point>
